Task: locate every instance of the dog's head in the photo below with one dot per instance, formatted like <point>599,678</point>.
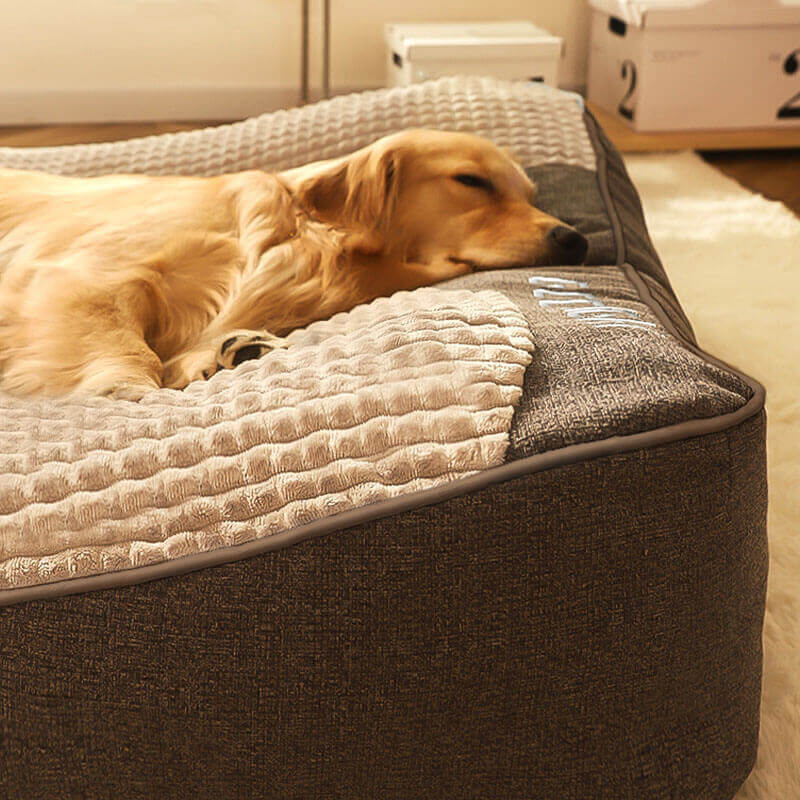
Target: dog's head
<point>431,195</point>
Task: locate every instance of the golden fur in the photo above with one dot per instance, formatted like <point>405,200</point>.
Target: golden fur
<point>120,284</point>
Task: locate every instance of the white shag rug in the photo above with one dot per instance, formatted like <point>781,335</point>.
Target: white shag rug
<point>734,261</point>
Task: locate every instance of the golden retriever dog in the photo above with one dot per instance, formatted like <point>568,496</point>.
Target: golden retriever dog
<point>121,284</point>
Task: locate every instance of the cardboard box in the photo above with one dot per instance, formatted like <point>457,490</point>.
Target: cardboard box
<point>516,50</point>
<point>669,65</point>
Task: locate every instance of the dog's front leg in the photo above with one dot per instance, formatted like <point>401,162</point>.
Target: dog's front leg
<point>238,333</point>
<point>82,343</point>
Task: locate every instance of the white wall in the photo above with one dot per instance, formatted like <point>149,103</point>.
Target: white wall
<point>128,59</point>
<point>173,59</point>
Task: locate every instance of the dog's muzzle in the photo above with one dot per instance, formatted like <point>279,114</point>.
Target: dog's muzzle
<point>567,245</point>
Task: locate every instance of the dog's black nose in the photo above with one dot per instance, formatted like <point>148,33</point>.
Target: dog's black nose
<point>569,246</point>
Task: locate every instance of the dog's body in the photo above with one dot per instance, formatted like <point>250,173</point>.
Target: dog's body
<point>121,284</point>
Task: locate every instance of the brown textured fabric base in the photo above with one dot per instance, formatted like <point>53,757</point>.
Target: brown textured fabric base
<point>532,640</point>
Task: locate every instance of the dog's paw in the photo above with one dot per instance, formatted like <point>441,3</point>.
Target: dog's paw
<point>245,346</point>
<point>132,392</point>
<point>196,365</point>
<point>230,351</point>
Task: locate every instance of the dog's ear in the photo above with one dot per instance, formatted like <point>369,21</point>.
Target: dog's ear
<point>372,187</point>
<point>359,192</point>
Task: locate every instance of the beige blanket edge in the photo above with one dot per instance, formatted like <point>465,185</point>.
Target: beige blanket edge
<point>399,395</point>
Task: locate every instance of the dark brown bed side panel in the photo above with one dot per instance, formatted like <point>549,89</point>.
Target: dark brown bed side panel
<point>592,630</point>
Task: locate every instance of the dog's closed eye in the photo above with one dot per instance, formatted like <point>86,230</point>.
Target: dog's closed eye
<point>474,181</point>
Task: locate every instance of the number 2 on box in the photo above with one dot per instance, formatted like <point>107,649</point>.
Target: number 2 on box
<point>791,108</point>
<point>628,67</point>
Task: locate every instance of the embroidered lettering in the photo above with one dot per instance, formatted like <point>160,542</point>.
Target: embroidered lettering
<point>561,293</point>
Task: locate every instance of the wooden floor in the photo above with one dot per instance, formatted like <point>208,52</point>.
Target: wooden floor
<point>774,173</point>
<point>47,135</point>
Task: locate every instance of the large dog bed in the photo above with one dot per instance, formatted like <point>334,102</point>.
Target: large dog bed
<point>501,537</point>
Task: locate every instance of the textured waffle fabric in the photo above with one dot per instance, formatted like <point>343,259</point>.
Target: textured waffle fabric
<point>504,112</point>
<point>400,395</point>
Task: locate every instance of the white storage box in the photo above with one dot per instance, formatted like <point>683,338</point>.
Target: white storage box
<point>667,65</point>
<point>509,50</point>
